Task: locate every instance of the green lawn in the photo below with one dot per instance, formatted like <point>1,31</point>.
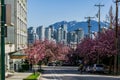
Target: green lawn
<point>32,76</point>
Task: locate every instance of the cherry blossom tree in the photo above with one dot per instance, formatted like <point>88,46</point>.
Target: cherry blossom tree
<point>106,43</point>
<point>50,49</point>
<point>100,47</point>
<point>62,51</point>
<point>56,51</point>
<point>86,49</point>
<point>35,52</point>
<point>46,50</point>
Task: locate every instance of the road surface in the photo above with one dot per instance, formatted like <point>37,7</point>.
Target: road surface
<point>71,73</point>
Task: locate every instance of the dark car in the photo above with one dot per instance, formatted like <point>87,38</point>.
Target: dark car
<point>66,64</point>
<point>51,64</point>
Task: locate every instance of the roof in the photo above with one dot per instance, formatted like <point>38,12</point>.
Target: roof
<point>18,55</point>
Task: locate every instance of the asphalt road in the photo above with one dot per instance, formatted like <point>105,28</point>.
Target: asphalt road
<point>71,73</point>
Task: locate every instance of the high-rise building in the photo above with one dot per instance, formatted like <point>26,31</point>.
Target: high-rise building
<point>40,32</point>
<point>52,32</point>
<point>17,33</point>
<point>31,35</point>
<point>75,37</point>
<point>62,34</point>
<point>19,19</point>
<point>59,34</point>
<point>47,33</point>
<point>80,34</point>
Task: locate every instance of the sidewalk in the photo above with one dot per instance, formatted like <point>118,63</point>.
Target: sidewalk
<point>18,76</point>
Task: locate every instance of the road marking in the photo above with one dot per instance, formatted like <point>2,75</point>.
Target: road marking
<point>54,78</point>
<point>60,78</point>
<point>54,75</point>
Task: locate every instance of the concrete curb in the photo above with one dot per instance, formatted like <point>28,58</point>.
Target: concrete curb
<point>39,76</point>
<point>8,74</point>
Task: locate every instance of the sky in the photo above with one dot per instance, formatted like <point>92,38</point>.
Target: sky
<point>47,12</point>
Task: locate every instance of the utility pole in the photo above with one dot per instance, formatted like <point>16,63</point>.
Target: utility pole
<point>89,19</point>
<point>111,16</point>
<point>99,11</point>
<point>116,60</point>
<point>99,26</point>
<point>2,55</point>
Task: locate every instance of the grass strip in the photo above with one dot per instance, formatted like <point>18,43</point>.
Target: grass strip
<point>32,76</point>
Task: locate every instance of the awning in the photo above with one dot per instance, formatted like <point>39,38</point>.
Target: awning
<point>18,55</point>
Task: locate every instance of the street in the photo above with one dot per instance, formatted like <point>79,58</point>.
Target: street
<point>71,73</point>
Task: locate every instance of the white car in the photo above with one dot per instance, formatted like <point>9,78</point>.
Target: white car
<point>89,69</point>
<point>98,68</point>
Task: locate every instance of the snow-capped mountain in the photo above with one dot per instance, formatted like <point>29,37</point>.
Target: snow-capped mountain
<point>73,25</point>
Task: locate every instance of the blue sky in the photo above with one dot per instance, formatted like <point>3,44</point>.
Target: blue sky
<point>46,12</point>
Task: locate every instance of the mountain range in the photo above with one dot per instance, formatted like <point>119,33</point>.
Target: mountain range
<point>73,25</point>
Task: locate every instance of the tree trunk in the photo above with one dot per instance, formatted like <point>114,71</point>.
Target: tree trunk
<point>115,64</point>
<point>110,64</point>
<point>40,66</point>
<point>34,71</point>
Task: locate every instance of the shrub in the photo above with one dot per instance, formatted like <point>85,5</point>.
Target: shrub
<point>25,67</point>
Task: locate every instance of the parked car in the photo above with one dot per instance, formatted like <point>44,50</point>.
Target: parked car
<point>66,64</point>
<point>51,64</point>
<point>98,68</point>
<point>89,69</point>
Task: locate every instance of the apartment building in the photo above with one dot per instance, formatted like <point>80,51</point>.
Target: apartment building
<point>40,31</point>
<point>31,35</point>
<point>19,19</point>
<point>16,33</point>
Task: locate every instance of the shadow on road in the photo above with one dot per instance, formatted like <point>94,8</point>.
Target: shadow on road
<point>72,74</point>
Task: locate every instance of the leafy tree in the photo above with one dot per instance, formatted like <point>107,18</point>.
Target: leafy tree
<point>47,50</point>
<point>35,52</point>
<point>56,51</point>
<point>86,49</point>
<point>106,43</point>
<point>62,51</point>
<point>102,46</point>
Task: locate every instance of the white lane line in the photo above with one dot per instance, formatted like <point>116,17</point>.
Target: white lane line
<point>62,75</point>
<point>58,76</point>
<point>54,78</point>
